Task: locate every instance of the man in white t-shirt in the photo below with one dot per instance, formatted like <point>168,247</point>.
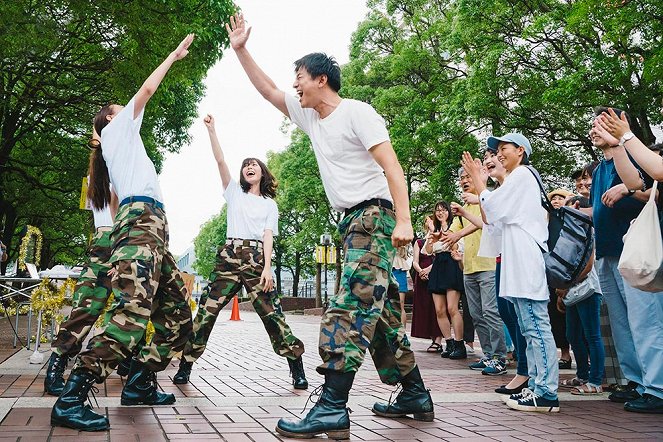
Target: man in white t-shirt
<point>362,177</point>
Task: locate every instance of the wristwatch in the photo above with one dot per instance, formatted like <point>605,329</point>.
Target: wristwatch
<point>627,136</point>
<point>631,192</point>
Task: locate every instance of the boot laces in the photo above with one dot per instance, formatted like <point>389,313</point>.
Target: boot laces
<point>316,392</point>
<point>153,380</point>
<point>91,391</point>
<point>397,392</point>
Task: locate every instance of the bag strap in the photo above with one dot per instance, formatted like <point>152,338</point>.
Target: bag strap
<point>545,202</point>
<point>652,195</point>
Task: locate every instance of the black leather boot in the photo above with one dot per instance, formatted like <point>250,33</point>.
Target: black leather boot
<point>70,409</point>
<point>183,373</point>
<point>448,349</point>
<point>460,352</point>
<point>54,381</point>
<point>141,387</point>
<point>413,399</point>
<point>124,366</point>
<point>297,372</point>
<point>329,415</point>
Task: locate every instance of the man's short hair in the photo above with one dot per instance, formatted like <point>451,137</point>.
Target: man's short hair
<point>600,109</point>
<point>319,63</point>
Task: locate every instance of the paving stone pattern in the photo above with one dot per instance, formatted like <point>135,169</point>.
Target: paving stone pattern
<point>240,388</point>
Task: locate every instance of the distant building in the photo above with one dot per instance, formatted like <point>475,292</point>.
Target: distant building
<point>185,264</point>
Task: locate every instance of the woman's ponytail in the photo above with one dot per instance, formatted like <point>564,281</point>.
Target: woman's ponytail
<point>98,191</point>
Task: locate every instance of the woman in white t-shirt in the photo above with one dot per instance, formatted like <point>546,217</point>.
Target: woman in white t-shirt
<point>245,261</point>
<point>146,281</point>
<point>515,208</point>
<point>93,286</point>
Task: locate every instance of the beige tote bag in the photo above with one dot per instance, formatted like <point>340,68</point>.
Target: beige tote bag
<point>642,257</point>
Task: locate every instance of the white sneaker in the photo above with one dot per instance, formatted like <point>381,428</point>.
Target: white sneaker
<point>469,350</point>
<point>514,398</point>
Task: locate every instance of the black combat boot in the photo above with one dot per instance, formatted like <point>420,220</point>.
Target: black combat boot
<point>460,352</point>
<point>297,372</point>
<point>329,415</point>
<point>141,387</point>
<point>124,366</point>
<point>413,399</point>
<point>183,373</point>
<point>448,349</point>
<point>54,381</point>
<point>70,409</point>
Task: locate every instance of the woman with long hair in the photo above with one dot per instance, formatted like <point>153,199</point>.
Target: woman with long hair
<point>93,287</point>
<point>446,283</point>
<point>424,319</point>
<point>146,282</point>
<point>245,261</point>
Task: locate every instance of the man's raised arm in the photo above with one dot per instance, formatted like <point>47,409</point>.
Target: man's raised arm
<point>239,34</point>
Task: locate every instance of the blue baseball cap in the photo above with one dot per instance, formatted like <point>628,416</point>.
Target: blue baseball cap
<point>514,138</point>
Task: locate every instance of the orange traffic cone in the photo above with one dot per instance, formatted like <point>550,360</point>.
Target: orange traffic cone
<point>234,316</point>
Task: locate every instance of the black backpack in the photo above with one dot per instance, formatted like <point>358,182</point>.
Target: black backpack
<point>570,242</point>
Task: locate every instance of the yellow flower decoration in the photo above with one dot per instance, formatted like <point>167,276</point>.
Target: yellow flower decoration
<point>49,299</point>
<point>32,231</point>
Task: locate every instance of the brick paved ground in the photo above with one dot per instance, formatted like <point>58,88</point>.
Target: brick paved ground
<point>240,389</point>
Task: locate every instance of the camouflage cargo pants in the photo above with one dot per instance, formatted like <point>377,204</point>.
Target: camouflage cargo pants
<point>148,285</point>
<point>90,296</point>
<point>365,313</point>
<point>240,263</point>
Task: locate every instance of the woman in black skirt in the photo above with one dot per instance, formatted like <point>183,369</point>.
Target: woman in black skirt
<point>446,283</point>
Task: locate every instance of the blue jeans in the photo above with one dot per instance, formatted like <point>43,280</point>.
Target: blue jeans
<point>541,350</point>
<point>636,319</point>
<point>583,330</point>
<point>508,315</point>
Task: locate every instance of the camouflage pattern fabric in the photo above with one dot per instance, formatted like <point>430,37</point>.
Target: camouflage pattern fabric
<point>148,285</point>
<point>90,296</point>
<point>240,264</point>
<point>365,313</point>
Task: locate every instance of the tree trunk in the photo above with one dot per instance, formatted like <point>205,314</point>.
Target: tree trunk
<point>318,285</point>
<point>295,276</point>
<point>278,267</point>
<point>339,265</point>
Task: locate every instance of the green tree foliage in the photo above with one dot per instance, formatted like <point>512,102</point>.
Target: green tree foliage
<point>59,62</point>
<point>304,211</point>
<point>212,235</point>
<point>446,73</point>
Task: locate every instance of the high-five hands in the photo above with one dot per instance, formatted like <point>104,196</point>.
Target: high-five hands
<point>183,48</point>
<point>238,33</point>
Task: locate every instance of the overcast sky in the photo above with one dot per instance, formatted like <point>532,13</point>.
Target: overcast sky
<point>247,125</point>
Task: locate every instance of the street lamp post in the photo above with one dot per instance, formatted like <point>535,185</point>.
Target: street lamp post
<point>325,240</point>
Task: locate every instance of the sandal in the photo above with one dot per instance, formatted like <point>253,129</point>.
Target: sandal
<point>434,347</point>
<point>565,363</point>
<point>587,390</point>
<point>572,383</point>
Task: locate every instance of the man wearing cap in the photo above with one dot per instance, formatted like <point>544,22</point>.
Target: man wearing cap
<point>515,208</point>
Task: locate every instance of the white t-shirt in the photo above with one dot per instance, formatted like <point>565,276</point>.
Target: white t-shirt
<point>249,215</point>
<point>131,171</point>
<point>102,218</point>
<point>516,206</point>
<point>341,143</point>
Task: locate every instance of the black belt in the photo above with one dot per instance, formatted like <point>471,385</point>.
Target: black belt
<point>142,199</point>
<point>372,202</point>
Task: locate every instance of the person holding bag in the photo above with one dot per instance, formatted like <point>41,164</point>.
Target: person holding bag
<point>583,326</point>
